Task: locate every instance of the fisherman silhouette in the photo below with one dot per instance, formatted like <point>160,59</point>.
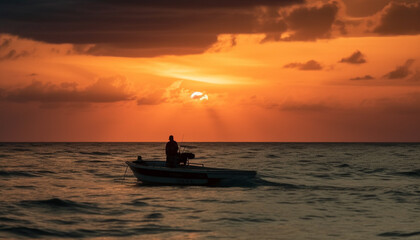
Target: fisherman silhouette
<point>171,152</point>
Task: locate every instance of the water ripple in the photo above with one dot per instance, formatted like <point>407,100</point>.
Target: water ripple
<point>398,234</point>
<point>16,174</point>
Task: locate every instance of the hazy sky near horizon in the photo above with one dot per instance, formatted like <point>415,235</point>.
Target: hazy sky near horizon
<point>291,70</point>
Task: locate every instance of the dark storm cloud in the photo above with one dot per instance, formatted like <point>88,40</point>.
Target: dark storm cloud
<point>157,26</point>
<point>364,8</point>
<point>102,91</point>
<point>399,19</point>
<point>356,58</point>
<point>366,77</point>
<point>401,71</point>
<point>305,23</point>
<point>309,65</point>
<point>310,23</point>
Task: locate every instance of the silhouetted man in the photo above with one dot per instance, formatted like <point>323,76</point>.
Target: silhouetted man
<point>171,152</point>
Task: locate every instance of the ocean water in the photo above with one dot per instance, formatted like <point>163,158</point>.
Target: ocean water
<point>302,191</point>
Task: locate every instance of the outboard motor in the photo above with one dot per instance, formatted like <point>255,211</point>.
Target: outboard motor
<point>184,157</point>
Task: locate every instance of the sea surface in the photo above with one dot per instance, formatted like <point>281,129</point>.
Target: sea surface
<point>302,191</point>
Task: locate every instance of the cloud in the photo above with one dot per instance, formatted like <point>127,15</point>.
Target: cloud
<point>134,28</point>
<point>356,58</point>
<point>104,90</point>
<point>154,99</point>
<point>310,23</point>
<point>401,71</point>
<point>369,8</point>
<point>400,18</point>
<point>309,65</point>
<point>366,77</point>
<point>13,55</point>
<point>303,23</point>
<point>174,93</point>
<point>5,43</point>
<point>9,53</point>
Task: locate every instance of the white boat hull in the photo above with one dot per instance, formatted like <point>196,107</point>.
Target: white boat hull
<point>156,172</point>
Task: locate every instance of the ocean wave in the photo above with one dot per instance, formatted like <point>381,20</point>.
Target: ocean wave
<point>25,187</point>
<point>154,215</point>
<point>398,234</point>
<point>305,161</point>
<point>37,232</point>
<point>63,222</point>
<point>106,175</point>
<point>15,174</point>
<point>323,176</point>
<point>397,193</point>
<point>97,161</point>
<point>220,201</point>
<point>114,220</point>
<point>21,149</point>
<point>155,229</point>
<point>59,204</point>
<point>414,173</point>
<point>290,186</point>
<point>45,172</point>
<point>137,203</point>
<point>377,170</point>
<point>32,232</point>
<point>344,165</point>
<point>96,153</point>
<point>14,220</point>
<point>241,219</point>
<point>262,182</point>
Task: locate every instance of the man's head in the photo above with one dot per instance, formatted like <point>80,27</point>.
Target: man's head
<point>171,138</point>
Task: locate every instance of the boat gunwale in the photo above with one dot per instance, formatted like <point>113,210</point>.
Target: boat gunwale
<point>189,168</point>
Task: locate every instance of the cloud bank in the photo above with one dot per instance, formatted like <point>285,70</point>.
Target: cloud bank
<point>135,28</point>
<point>104,90</point>
<point>400,18</point>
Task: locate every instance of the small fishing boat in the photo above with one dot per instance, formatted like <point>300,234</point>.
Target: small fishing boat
<point>157,172</point>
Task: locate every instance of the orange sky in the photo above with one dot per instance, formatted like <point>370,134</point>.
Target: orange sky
<point>353,75</point>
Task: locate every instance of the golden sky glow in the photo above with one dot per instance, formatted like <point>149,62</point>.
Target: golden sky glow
<point>361,83</point>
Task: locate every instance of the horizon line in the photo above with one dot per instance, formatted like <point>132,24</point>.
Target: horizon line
<point>2,142</point>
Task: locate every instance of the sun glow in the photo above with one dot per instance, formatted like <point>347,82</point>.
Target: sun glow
<point>199,96</point>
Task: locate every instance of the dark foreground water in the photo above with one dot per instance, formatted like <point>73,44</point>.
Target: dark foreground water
<point>303,191</point>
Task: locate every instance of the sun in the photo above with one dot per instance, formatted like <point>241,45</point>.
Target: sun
<point>199,96</point>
